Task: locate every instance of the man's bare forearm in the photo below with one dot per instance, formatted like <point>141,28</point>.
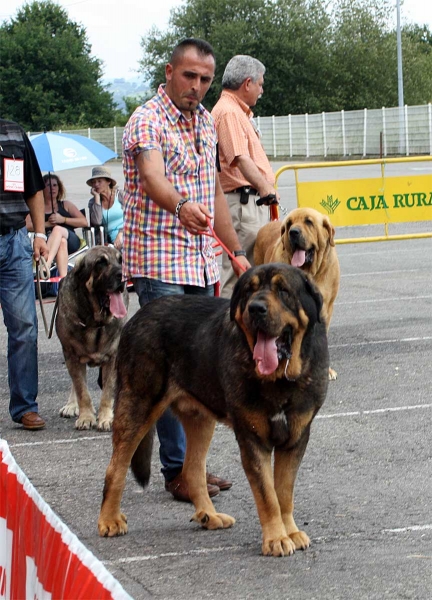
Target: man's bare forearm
<point>152,175</point>
<point>253,175</point>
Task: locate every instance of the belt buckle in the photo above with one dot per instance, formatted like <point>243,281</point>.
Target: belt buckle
<point>247,189</point>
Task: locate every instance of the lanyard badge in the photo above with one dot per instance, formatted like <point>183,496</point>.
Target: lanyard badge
<point>13,175</point>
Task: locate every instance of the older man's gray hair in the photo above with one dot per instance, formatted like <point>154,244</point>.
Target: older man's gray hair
<point>239,68</point>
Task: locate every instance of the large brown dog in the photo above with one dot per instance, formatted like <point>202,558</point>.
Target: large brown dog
<point>304,239</point>
<point>258,364</point>
<point>92,308</point>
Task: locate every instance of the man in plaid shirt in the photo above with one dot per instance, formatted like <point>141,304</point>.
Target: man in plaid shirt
<point>171,187</point>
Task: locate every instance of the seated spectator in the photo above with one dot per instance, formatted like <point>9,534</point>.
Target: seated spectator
<point>106,206</point>
<point>61,219</point>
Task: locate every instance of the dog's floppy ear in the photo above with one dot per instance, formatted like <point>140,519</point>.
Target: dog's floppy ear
<point>282,235</point>
<point>313,301</point>
<point>82,268</point>
<point>284,228</point>
<point>330,229</point>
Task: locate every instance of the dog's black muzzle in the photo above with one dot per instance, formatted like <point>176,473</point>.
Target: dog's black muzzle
<point>296,238</point>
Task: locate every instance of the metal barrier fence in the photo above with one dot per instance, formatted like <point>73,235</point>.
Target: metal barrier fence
<point>383,132</point>
<point>368,201</point>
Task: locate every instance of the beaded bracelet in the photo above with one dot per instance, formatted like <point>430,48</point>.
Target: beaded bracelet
<point>178,207</point>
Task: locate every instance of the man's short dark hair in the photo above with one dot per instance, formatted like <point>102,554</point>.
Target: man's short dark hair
<point>201,46</point>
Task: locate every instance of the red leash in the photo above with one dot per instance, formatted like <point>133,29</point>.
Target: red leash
<point>230,254</point>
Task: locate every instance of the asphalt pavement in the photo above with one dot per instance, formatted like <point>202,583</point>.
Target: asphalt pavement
<point>364,488</point>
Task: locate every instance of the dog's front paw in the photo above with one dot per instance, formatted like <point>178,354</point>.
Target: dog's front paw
<point>105,420</point>
<point>85,421</point>
<point>279,546</point>
<point>301,540</point>
<point>213,521</point>
<point>332,374</point>
<point>69,410</point>
<point>114,526</point>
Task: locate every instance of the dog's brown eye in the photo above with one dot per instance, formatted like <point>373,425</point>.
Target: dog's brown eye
<point>308,221</point>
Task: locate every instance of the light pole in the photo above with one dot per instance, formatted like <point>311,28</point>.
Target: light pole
<point>400,79</point>
<point>399,56</point>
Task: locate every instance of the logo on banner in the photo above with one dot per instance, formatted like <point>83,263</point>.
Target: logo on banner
<point>330,205</point>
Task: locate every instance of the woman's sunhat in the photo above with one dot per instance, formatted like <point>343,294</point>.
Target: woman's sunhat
<point>99,173</point>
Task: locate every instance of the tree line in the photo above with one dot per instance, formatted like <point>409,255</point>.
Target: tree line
<point>318,56</point>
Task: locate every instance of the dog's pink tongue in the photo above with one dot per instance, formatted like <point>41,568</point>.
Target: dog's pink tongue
<point>117,307</point>
<point>298,258</point>
<point>265,354</point>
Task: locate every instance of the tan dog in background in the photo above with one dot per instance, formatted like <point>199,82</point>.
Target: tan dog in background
<point>304,239</point>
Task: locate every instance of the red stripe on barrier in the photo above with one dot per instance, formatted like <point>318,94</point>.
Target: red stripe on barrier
<point>41,555</point>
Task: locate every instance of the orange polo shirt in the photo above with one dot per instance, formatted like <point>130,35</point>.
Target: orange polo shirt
<point>236,136</point>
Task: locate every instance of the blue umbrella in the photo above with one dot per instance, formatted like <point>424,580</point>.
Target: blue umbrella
<point>61,151</point>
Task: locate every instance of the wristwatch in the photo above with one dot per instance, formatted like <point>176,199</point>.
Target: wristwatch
<point>41,235</point>
<point>238,253</point>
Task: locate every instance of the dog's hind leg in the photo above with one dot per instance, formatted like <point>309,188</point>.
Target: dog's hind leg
<point>199,432</point>
<point>131,431</point>
<point>286,465</point>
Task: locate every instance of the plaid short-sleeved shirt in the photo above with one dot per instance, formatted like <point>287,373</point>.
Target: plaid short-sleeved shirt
<point>155,244</point>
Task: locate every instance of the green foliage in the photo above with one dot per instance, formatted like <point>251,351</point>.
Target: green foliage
<point>48,78</point>
<point>131,103</point>
<point>417,51</point>
<point>317,59</point>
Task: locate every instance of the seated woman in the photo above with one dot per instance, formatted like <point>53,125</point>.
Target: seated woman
<point>61,219</point>
<point>106,206</point>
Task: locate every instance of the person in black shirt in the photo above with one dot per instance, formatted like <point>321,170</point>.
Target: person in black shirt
<point>21,188</point>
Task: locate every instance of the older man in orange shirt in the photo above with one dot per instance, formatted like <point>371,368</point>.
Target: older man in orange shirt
<point>246,174</point>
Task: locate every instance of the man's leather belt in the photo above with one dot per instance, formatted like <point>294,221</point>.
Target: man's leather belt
<point>5,230</point>
<point>245,189</point>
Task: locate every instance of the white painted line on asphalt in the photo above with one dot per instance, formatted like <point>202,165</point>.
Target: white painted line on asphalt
<point>380,273</point>
<point>65,441</point>
<point>387,299</point>
<point>425,338</point>
<point>107,436</point>
<point>146,557</point>
<point>405,529</point>
<point>376,411</point>
<point>132,559</point>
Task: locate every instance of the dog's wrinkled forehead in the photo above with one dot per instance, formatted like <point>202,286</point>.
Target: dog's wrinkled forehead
<point>97,261</point>
<point>104,254</point>
<point>280,284</point>
<point>264,281</point>
<point>272,277</point>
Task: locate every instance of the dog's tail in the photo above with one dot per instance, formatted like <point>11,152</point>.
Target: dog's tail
<point>141,460</point>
